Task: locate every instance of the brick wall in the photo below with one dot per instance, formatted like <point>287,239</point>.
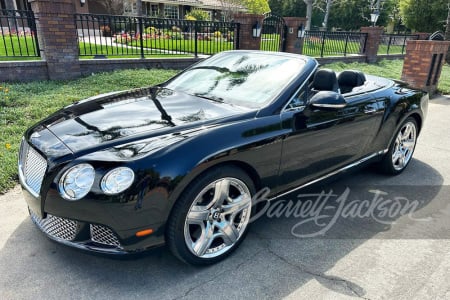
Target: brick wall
<point>423,63</point>
<point>23,71</point>
<point>37,70</point>
<point>105,65</point>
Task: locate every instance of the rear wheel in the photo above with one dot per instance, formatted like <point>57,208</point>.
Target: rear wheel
<point>401,149</point>
<point>211,218</point>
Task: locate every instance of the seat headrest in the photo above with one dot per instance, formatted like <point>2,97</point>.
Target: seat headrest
<point>351,78</point>
<point>325,80</point>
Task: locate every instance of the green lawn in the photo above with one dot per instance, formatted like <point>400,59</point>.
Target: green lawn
<point>21,47</point>
<point>186,46</point>
<point>88,50</point>
<point>314,47</point>
<point>270,42</point>
<point>23,104</point>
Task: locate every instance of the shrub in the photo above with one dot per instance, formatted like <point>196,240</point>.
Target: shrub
<point>151,30</point>
<point>197,14</point>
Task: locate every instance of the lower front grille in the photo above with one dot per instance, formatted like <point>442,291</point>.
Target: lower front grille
<point>65,229</point>
<point>57,227</point>
<point>103,235</point>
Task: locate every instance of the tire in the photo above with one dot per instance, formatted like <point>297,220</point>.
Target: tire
<point>211,218</point>
<point>401,149</point>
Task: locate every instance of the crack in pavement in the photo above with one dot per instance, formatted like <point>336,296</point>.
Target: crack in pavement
<point>190,290</point>
<point>347,285</point>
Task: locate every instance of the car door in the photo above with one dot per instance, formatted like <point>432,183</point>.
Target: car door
<point>322,140</point>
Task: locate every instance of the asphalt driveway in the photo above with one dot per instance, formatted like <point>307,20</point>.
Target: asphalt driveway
<point>403,254</point>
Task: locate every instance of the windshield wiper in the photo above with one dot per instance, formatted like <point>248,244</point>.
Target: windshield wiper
<point>210,97</point>
<point>164,115</point>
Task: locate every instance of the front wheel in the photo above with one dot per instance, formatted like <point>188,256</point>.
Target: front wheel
<point>401,149</point>
<point>211,218</point>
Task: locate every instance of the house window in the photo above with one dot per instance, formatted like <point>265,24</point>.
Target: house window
<point>2,4</point>
<point>151,10</point>
<point>154,10</point>
<point>171,11</point>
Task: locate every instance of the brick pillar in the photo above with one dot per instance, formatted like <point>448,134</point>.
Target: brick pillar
<point>58,38</point>
<point>423,63</point>
<point>246,39</point>
<point>293,43</point>
<point>373,41</point>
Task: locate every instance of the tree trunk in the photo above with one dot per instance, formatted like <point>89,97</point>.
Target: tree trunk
<point>327,14</point>
<point>447,34</point>
<point>309,9</point>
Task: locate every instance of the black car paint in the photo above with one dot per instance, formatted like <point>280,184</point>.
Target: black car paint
<point>280,149</point>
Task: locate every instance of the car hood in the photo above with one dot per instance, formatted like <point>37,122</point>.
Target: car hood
<point>143,112</point>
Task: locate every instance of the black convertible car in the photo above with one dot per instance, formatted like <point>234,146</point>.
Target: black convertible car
<point>179,163</point>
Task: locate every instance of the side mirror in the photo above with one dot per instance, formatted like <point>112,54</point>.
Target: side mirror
<point>328,100</point>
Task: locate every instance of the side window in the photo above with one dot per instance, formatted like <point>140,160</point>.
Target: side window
<point>300,98</point>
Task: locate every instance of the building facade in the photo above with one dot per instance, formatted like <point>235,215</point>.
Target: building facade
<point>170,9</point>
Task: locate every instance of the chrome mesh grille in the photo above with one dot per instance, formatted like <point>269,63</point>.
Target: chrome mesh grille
<point>33,167</point>
<point>103,235</point>
<point>57,227</point>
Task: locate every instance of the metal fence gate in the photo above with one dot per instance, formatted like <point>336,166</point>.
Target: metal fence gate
<point>273,33</point>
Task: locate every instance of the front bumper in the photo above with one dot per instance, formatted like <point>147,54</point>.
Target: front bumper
<point>88,236</point>
<point>80,235</point>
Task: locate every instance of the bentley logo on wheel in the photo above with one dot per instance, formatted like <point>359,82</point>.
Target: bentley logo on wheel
<point>216,215</point>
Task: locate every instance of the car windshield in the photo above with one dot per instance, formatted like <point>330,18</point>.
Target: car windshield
<point>244,79</point>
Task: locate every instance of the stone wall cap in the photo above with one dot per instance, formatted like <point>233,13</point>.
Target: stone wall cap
<point>26,63</point>
<point>428,42</point>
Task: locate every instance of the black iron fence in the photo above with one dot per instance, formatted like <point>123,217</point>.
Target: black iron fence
<point>395,43</point>
<point>324,43</point>
<point>125,36</point>
<point>18,34</point>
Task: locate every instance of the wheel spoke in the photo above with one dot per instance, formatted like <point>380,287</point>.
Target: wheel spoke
<point>221,190</point>
<point>197,215</point>
<point>228,232</point>
<point>397,156</point>
<point>240,203</point>
<point>205,240</point>
<point>407,132</point>
<point>409,144</point>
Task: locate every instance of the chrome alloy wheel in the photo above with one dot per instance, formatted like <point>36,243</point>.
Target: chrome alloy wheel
<point>217,217</point>
<point>404,146</point>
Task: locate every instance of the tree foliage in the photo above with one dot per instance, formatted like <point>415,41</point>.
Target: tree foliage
<point>257,6</point>
<point>231,7</point>
<point>424,15</point>
<point>197,14</point>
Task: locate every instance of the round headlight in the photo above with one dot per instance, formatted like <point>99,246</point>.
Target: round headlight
<point>76,182</point>
<point>117,180</point>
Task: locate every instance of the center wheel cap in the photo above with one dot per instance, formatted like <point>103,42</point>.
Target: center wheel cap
<point>215,215</point>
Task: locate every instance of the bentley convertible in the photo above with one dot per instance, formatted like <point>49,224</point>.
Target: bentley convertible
<point>179,163</point>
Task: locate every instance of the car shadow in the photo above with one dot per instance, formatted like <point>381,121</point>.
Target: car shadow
<point>270,263</point>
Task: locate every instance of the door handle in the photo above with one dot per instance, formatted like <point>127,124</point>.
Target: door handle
<point>370,109</point>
